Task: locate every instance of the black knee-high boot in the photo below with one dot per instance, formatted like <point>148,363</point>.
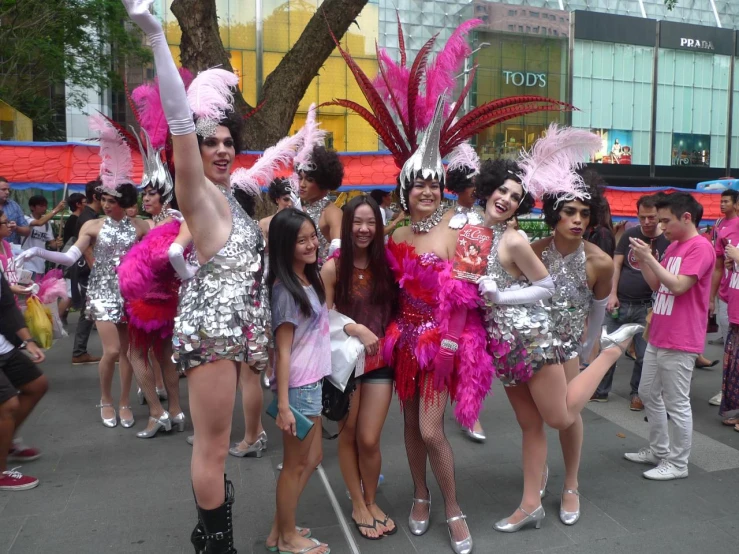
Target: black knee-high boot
<point>214,532</point>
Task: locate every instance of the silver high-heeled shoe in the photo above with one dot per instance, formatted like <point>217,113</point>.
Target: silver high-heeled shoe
<point>109,422</point>
<point>614,340</point>
<point>178,422</point>
<point>141,397</point>
<point>474,436</point>
<point>545,475</point>
<point>535,518</point>
<point>163,422</point>
<point>419,526</point>
<point>569,518</point>
<point>465,545</point>
<point>161,393</point>
<point>127,423</point>
<point>254,450</point>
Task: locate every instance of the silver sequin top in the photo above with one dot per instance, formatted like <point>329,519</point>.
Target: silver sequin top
<point>572,296</point>
<point>314,211</point>
<point>223,312</point>
<point>104,301</point>
<point>521,335</point>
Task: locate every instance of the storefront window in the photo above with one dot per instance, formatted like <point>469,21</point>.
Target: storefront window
<point>692,100</point>
<point>612,89</point>
<point>516,65</point>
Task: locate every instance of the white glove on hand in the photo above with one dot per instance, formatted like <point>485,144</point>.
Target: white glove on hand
<point>488,288</point>
<point>138,11</point>
<point>184,269</point>
<point>27,255</point>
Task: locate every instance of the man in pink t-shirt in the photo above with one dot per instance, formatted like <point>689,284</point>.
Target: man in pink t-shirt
<point>676,334</point>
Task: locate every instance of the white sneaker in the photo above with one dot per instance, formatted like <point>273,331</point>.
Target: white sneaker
<point>644,456</point>
<point>715,400</point>
<point>666,471</point>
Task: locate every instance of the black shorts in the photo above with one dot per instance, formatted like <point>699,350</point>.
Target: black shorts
<point>379,376</point>
<point>16,370</point>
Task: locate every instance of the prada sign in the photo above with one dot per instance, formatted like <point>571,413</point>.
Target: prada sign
<point>696,43</point>
<point>695,38</point>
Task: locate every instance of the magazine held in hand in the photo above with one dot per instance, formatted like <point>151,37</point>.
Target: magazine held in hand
<point>471,256</point>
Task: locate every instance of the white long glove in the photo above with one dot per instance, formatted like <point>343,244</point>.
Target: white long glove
<point>171,88</point>
<point>67,258</point>
<point>595,321</point>
<point>538,290</point>
<point>184,269</point>
<point>334,246</point>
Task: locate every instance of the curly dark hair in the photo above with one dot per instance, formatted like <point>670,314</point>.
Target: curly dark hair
<point>129,195</point>
<point>278,188</point>
<point>234,123</point>
<point>458,180</point>
<point>329,170</point>
<point>246,201</point>
<point>597,203</point>
<point>493,173</point>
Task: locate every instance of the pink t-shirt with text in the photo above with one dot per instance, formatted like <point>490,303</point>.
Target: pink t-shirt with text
<point>679,322</point>
<point>725,234</point>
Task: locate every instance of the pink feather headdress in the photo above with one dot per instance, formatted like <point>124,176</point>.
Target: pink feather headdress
<point>116,165</point>
<point>464,158</point>
<point>550,166</point>
<point>312,136</point>
<point>269,163</point>
<point>210,97</point>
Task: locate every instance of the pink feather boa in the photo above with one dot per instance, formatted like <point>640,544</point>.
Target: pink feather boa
<point>428,279</point>
<point>149,286</point>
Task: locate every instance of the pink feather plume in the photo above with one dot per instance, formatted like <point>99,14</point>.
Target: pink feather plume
<point>311,136</point>
<point>549,167</point>
<point>151,114</point>
<point>116,165</point>
<point>463,157</point>
<point>210,95</point>
<point>441,74</point>
<point>269,163</point>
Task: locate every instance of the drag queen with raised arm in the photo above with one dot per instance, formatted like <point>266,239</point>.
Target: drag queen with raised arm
<point>218,319</point>
<point>111,238</point>
<point>527,351</point>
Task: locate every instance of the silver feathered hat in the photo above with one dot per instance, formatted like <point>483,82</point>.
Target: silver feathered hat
<point>155,172</point>
<point>426,161</point>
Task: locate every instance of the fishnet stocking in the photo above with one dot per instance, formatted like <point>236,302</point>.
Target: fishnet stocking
<point>425,437</point>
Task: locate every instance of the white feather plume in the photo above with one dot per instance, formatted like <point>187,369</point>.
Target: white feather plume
<point>116,162</point>
<point>312,136</point>
<point>267,165</point>
<point>210,95</point>
<point>550,166</point>
<point>464,158</point>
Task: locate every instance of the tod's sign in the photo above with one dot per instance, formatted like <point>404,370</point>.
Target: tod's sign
<point>525,79</point>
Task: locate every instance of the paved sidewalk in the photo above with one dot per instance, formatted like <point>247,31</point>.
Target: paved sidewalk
<point>104,490</point>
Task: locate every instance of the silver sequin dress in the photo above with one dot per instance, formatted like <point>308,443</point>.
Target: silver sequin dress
<point>104,300</point>
<point>462,216</point>
<point>223,311</point>
<point>314,211</point>
<point>522,340</point>
<point>572,296</point>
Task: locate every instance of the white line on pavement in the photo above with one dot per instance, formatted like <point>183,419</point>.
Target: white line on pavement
<point>337,509</point>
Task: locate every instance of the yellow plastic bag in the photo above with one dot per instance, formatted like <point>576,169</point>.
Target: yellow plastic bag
<point>38,321</point>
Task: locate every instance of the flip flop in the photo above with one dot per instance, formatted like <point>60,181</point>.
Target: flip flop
<point>299,530</point>
<point>736,427</point>
<point>383,522</point>
<point>306,549</point>
<point>706,366</point>
<point>361,526</point>
<point>731,421</point>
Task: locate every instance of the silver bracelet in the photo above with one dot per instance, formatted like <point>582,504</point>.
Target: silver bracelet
<point>449,345</point>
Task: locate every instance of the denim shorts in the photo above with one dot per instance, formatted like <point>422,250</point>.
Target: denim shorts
<point>308,399</point>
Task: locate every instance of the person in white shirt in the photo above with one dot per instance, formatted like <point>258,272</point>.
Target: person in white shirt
<point>42,235</point>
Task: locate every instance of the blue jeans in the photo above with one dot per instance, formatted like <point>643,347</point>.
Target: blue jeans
<point>308,399</point>
<point>627,313</point>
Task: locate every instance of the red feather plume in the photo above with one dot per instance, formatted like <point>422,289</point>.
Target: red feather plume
<point>401,40</point>
<point>414,84</point>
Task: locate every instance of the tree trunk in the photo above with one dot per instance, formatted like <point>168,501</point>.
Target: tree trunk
<point>201,48</point>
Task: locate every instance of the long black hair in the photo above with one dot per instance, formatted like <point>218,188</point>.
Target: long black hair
<point>383,291</point>
<point>283,236</point>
